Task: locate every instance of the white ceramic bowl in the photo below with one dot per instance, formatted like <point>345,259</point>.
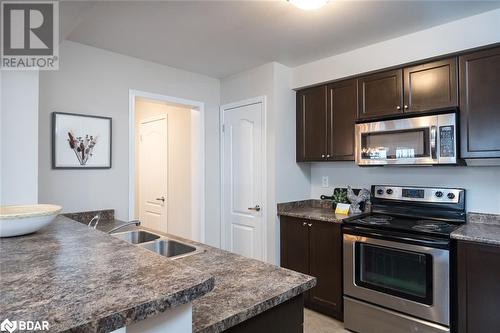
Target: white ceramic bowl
<point>25,219</point>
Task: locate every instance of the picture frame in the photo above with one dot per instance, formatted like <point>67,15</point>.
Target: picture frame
<point>81,141</point>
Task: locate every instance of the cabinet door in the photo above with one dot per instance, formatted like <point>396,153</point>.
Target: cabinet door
<point>326,265</point>
<point>380,94</point>
<point>311,124</point>
<point>294,244</point>
<point>342,109</point>
<point>480,104</point>
<point>431,86</point>
<point>478,287</point>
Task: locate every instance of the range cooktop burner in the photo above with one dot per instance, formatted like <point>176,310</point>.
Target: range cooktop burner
<point>430,225</point>
<point>408,224</point>
<point>376,219</point>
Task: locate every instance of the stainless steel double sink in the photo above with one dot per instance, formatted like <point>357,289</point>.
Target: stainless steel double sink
<point>158,244</point>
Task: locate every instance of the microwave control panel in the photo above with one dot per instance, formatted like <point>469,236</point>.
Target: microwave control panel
<point>447,141</point>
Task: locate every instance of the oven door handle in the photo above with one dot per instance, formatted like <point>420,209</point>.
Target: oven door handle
<point>434,142</point>
<point>394,237</point>
<point>430,243</point>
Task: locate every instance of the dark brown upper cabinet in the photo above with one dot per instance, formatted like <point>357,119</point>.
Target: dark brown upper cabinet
<point>342,108</point>
<point>380,94</point>
<point>312,124</point>
<point>315,248</point>
<point>418,88</point>
<point>325,122</point>
<point>430,86</point>
<point>480,104</point>
<point>326,114</point>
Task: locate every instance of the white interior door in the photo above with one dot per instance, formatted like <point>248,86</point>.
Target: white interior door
<point>153,173</point>
<point>242,176</point>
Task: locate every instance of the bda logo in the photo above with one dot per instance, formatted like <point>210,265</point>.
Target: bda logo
<point>30,35</point>
<point>8,325</point>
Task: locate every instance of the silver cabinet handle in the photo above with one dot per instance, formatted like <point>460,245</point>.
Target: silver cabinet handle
<point>161,199</point>
<point>322,155</point>
<point>304,224</point>
<point>328,155</point>
<point>406,106</point>
<point>398,107</point>
<point>309,225</point>
<point>256,208</point>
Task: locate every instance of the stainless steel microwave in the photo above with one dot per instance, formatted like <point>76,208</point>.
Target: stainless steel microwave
<point>421,140</point>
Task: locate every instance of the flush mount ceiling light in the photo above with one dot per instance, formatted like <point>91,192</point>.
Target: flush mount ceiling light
<point>308,4</point>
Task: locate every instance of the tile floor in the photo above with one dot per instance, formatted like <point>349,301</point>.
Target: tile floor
<point>317,323</point>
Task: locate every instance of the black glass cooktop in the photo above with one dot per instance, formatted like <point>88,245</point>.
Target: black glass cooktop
<point>406,224</point>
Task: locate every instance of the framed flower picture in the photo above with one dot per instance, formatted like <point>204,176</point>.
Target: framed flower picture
<point>80,141</point>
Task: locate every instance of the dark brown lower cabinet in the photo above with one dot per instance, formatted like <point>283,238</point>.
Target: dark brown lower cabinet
<point>315,248</point>
<point>478,282</point>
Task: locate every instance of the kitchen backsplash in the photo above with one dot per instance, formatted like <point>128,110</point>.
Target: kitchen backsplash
<point>480,183</point>
<point>85,217</point>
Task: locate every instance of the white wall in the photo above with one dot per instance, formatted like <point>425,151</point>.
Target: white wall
<point>19,137</point>
<point>95,81</point>
<point>466,33</point>
<point>286,180</point>
<point>481,183</point>
<point>179,163</point>
<point>292,178</point>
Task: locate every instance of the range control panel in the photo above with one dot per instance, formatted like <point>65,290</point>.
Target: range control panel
<point>422,194</point>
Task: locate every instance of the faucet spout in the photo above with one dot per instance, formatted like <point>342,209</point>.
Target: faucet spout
<point>126,224</point>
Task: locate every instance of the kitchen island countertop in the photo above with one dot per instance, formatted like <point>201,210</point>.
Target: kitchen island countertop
<point>244,287</point>
<point>83,280</point>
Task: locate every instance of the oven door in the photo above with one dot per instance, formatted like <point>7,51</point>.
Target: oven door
<point>408,278</point>
<point>408,141</point>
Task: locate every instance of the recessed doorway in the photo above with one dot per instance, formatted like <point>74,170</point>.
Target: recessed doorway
<point>166,175</point>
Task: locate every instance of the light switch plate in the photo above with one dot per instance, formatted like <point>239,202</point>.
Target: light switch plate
<point>324,181</point>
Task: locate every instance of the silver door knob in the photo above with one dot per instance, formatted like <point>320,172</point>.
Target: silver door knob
<point>398,107</point>
<point>323,156</point>
<point>328,155</point>
<point>406,106</point>
<point>256,208</point>
<point>161,199</point>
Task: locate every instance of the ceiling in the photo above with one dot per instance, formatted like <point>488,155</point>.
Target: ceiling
<point>220,38</point>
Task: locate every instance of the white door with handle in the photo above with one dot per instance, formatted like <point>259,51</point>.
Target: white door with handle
<point>153,165</point>
<point>243,179</point>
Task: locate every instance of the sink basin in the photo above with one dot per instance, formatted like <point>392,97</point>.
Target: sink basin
<point>170,248</point>
<point>136,236</point>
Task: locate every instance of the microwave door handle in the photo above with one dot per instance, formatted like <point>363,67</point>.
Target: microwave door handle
<point>433,142</point>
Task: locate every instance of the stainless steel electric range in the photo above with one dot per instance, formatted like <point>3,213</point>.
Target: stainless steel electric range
<point>397,260</point>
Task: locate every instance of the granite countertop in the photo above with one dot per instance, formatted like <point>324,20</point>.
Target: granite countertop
<point>313,210</point>
<point>480,228</point>
<point>243,288</point>
<point>83,280</point>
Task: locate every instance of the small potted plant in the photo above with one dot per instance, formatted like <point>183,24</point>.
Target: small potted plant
<point>339,196</point>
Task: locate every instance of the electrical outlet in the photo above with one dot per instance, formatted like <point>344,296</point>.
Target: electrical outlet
<point>324,181</point>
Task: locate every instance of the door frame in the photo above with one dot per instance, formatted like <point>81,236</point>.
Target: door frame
<point>197,206</point>
<point>225,107</point>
